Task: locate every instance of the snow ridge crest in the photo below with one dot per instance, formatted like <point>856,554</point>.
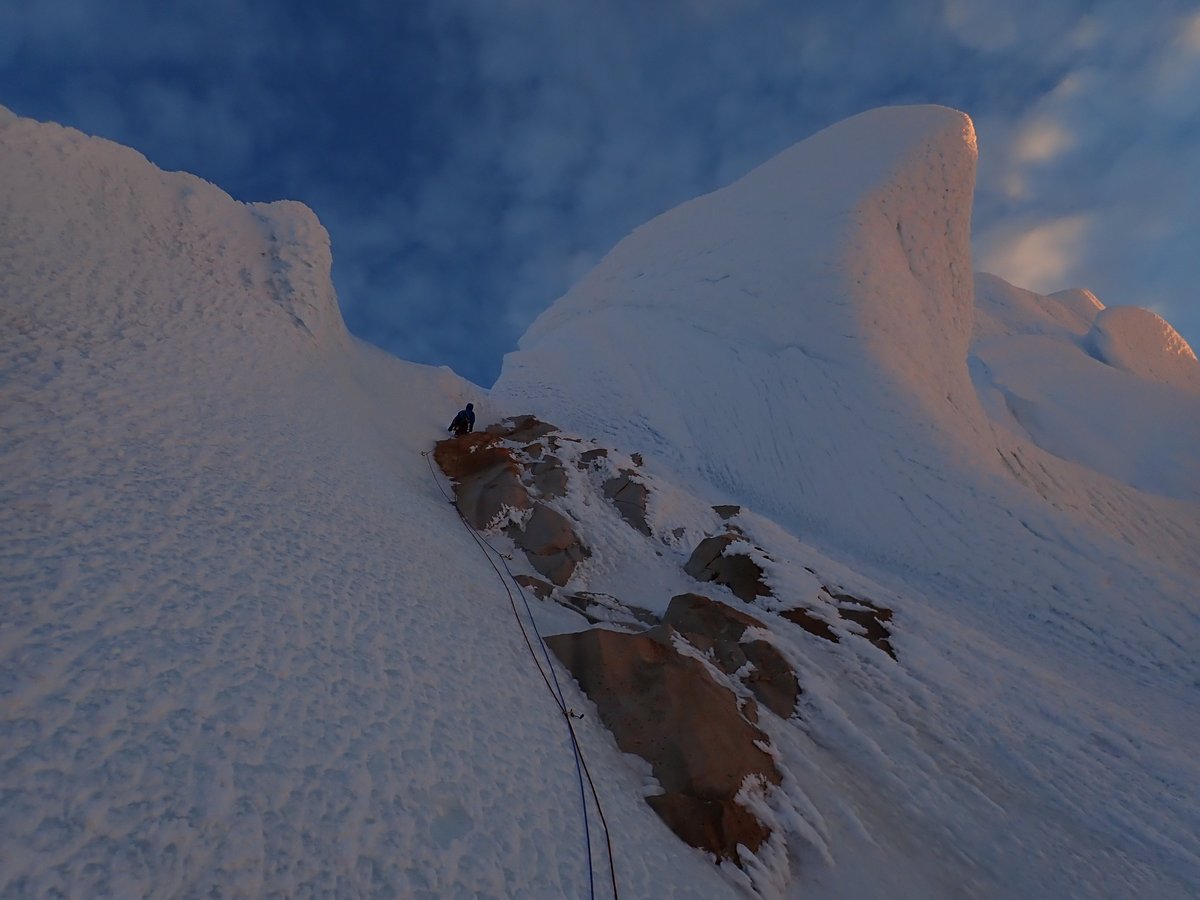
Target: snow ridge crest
<point>828,292</point>
<point>181,249</point>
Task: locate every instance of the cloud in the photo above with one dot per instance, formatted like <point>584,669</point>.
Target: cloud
<point>1042,141</point>
<point>1037,257</point>
<point>470,157</point>
<point>1173,81</point>
<point>980,24</point>
<point>1112,142</point>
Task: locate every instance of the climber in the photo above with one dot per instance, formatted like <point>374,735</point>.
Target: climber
<point>464,422</point>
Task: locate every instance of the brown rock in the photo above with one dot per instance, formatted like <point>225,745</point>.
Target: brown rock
<point>485,495</point>
<point>727,510</point>
<point>629,496</point>
<point>738,572</point>
<point>598,607</point>
<point>548,477</point>
<point>560,566</point>
<point>461,457</point>
<point>708,620</point>
<point>550,543</point>
<point>587,457</point>
<point>717,826</point>
<point>486,477</point>
<point>521,429</point>
<point>810,623</point>
<point>717,628</point>
<point>546,531</point>
<point>870,619</point>
<point>665,707</point>
<point>772,680</point>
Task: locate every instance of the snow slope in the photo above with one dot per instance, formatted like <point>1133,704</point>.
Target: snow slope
<point>777,328</point>
<point>1040,376</point>
<point>800,340</point>
<point>248,648</point>
<point>807,340</point>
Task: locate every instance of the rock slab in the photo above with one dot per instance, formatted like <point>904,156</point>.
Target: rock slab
<point>666,708</point>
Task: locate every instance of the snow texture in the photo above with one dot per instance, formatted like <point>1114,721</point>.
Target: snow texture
<point>248,649</point>
<point>1142,342</point>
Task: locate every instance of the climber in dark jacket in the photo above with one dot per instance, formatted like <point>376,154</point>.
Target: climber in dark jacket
<point>464,422</point>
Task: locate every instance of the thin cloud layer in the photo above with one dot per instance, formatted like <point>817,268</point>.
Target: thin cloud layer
<point>471,159</point>
<point>1096,184</point>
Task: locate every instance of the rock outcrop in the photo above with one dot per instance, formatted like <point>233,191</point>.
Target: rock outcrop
<point>486,476</point>
<point>868,619</point>
<point>507,469</point>
<point>523,429</point>
<point>685,693</point>
<point>549,477</point>
<point>666,708</point>
<point>710,561</point>
<point>550,543</point>
<point>719,630</point>
<point>629,496</point>
<point>598,607</point>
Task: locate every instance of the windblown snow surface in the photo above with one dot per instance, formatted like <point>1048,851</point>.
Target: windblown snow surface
<point>248,649</point>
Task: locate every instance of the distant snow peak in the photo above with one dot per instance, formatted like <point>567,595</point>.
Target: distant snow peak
<point>1144,343</point>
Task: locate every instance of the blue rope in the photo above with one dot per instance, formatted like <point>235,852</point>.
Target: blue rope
<point>563,706</point>
<point>555,690</point>
<point>562,703</point>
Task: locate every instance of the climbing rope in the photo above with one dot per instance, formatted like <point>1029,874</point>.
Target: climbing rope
<point>555,689</point>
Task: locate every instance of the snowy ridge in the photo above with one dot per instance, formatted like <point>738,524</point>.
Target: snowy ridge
<point>806,362</point>
<point>1041,376</point>
<point>805,341</point>
<point>1143,343</point>
<point>827,294</point>
<point>249,648</point>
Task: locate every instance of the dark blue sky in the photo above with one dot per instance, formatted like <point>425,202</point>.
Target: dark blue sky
<point>472,159</point>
